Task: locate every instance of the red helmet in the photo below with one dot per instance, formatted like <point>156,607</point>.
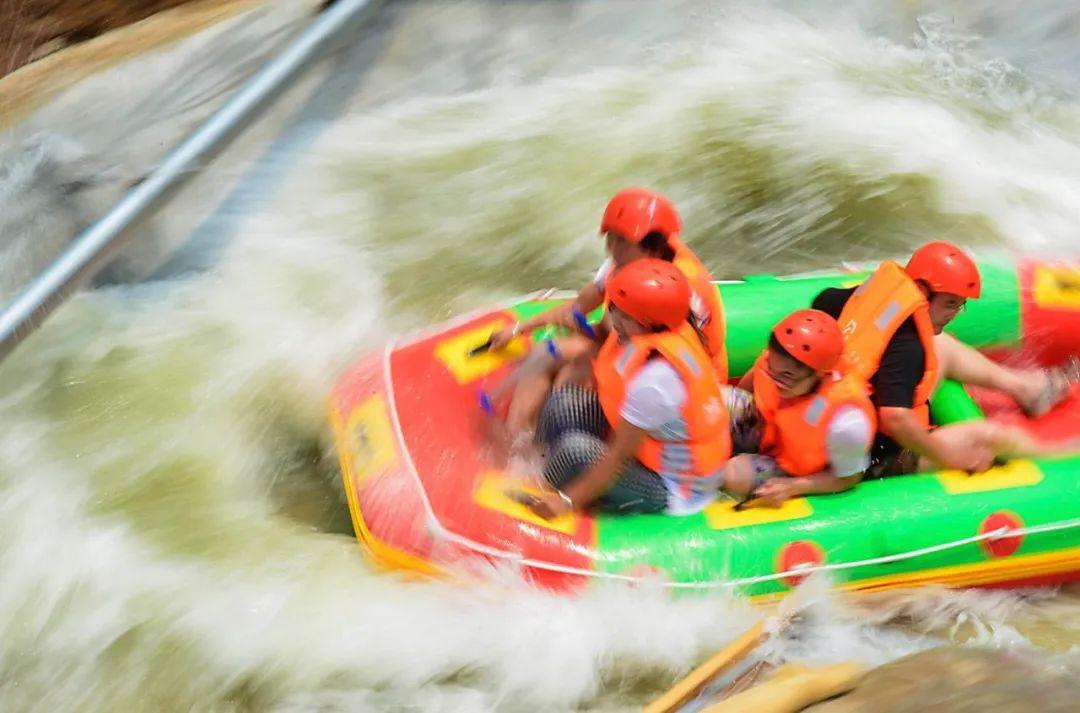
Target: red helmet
<point>653,292</point>
<point>635,212</point>
<point>945,268</point>
<point>812,337</point>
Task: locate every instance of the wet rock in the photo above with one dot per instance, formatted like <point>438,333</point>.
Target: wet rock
<point>965,680</point>
<point>36,28</point>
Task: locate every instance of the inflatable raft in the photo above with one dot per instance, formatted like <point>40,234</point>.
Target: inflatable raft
<point>429,490</point>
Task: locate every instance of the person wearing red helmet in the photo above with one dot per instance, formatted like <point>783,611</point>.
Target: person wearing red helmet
<point>653,435</point>
<point>893,325</point>
<point>637,223</point>
<point>813,425</point>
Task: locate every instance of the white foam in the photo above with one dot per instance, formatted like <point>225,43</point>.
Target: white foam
<point>148,554</point>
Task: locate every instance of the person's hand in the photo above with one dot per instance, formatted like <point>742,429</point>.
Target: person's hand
<point>564,317</point>
<point>775,491</point>
<point>969,457</point>
<point>501,339</point>
<point>550,505</point>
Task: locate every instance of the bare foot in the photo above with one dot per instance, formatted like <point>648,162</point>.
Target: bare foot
<point>1056,385</point>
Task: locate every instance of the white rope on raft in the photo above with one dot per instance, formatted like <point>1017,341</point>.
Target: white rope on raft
<point>439,530</point>
<point>801,570</point>
<point>999,534</point>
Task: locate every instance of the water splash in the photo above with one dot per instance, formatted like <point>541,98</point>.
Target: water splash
<point>174,533</point>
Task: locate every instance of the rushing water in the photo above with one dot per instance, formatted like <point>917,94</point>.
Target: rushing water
<point>172,527</point>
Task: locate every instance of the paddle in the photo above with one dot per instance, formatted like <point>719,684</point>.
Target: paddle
<point>725,660</point>
<point>793,688</point>
<point>688,688</point>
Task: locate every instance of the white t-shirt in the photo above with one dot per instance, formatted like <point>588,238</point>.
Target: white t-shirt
<point>602,274</point>
<point>607,267</point>
<point>847,442</point>
<point>655,397</point>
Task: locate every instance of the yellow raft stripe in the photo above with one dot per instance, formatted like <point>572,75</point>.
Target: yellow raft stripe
<point>1014,474</point>
<point>380,552</point>
<point>723,515</point>
<point>967,575</point>
<point>1056,286</point>
<point>491,493</point>
<point>964,575</point>
<point>972,575</point>
<point>453,352</point>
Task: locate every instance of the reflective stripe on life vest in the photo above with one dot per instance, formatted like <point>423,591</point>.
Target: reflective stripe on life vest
<point>871,317</point>
<point>796,431</point>
<point>694,458</point>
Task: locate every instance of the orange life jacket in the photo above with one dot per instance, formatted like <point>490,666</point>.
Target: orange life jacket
<point>706,302</point>
<point>796,432</point>
<point>694,460</point>
<point>870,319</point>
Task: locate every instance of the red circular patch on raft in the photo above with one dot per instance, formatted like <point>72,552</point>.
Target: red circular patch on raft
<point>799,552</point>
<point>1006,545</point>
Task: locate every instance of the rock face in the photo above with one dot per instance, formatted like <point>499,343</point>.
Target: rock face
<point>965,680</point>
<point>32,29</point>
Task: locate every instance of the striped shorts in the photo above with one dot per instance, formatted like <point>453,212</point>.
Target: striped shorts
<point>573,432</point>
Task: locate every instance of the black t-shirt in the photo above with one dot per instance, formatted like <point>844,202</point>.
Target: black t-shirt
<point>902,363</point>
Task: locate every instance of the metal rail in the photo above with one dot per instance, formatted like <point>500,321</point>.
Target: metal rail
<point>92,249</point>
